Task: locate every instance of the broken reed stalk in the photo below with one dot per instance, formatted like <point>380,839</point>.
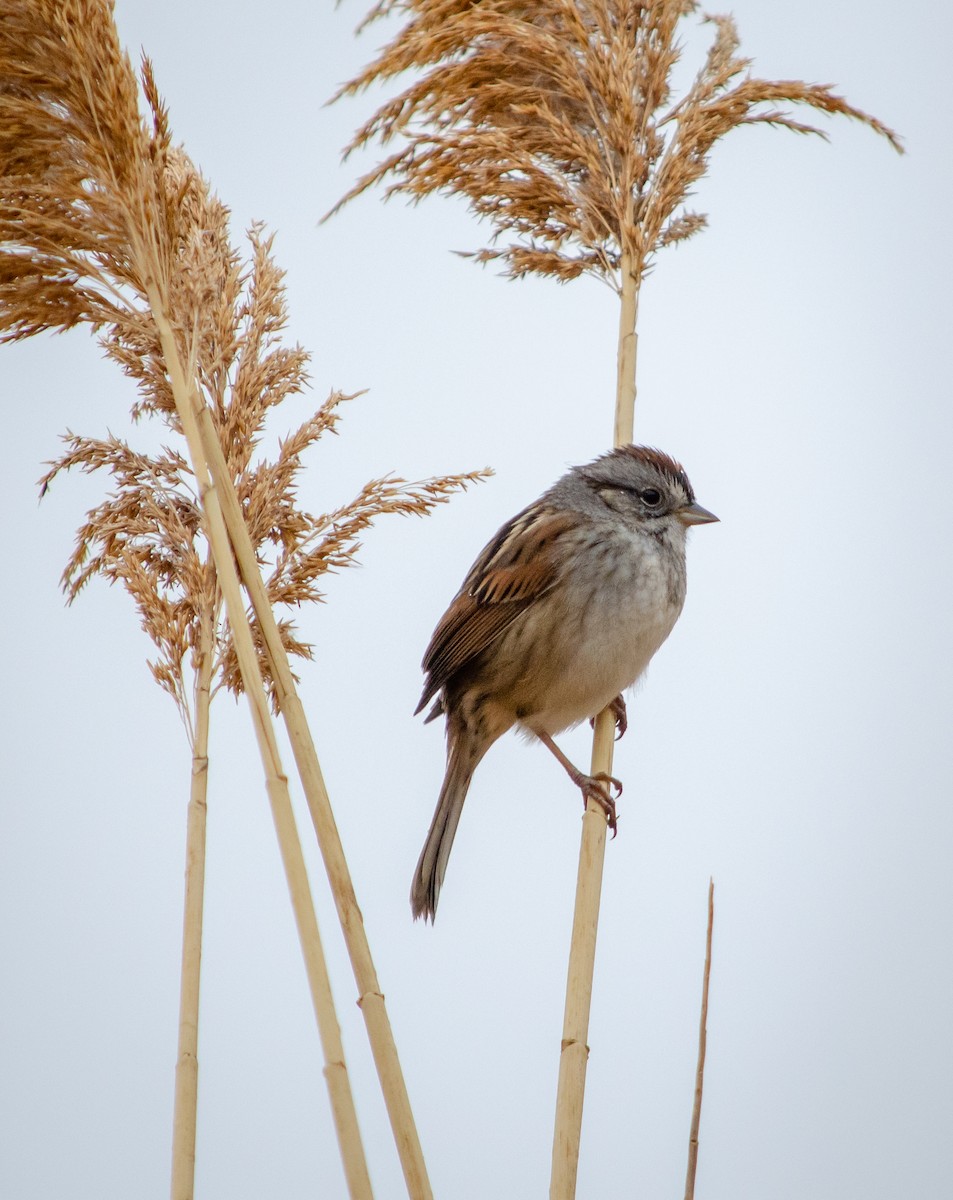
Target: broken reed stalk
<point>185,1106</point>
<point>276,782</point>
<point>702,1048</point>
<point>555,121</point>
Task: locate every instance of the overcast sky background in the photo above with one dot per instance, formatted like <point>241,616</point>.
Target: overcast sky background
<point>792,739</point>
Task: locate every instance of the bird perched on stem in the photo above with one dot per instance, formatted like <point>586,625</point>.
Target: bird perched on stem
<point>561,612</point>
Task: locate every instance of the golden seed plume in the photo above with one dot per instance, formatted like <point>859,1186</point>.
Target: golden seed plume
<point>99,213</point>
<point>556,121</point>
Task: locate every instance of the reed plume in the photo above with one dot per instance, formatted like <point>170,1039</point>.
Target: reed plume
<point>557,122</point>
<point>105,223</point>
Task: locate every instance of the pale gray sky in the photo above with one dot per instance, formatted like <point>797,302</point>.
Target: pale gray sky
<point>792,738</point>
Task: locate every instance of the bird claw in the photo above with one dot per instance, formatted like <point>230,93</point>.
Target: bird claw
<point>621,717</point>
<point>598,788</point>
<point>619,714</point>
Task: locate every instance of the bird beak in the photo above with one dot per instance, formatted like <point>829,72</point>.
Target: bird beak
<point>694,514</point>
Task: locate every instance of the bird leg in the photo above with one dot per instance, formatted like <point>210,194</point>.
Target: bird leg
<point>617,708</point>
<point>596,787</point>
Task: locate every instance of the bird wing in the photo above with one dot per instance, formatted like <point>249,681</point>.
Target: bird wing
<point>515,568</point>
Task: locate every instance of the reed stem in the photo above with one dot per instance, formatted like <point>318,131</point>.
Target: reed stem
<point>702,1047</point>
<point>574,1049</point>
<point>627,352</point>
<point>211,487</point>
<point>185,1108</point>
<point>574,1052</point>
<point>370,996</point>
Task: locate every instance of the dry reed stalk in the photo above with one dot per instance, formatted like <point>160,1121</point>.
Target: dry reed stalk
<point>555,120</point>
<point>574,1047</point>
<point>102,222</point>
<point>252,684</point>
<point>276,782</point>
<point>370,996</point>
<point>702,1048</point>
<point>185,1108</point>
<point>571,1083</point>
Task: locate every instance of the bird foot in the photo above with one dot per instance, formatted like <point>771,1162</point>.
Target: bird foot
<point>598,788</point>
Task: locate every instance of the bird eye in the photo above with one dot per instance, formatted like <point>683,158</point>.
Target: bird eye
<point>651,497</point>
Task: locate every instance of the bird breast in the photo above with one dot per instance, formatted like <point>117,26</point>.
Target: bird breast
<point>594,633</point>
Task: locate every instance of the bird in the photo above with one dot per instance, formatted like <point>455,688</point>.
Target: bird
<point>560,613</point>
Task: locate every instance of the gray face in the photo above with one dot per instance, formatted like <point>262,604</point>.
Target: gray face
<point>642,486</point>
<point>648,498</point>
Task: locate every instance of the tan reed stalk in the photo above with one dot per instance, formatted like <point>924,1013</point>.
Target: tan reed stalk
<point>370,996</point>
<point>555,120</point>
<point>185,1107</point>
<point>335,1071</point>
<point>702,1047</point>
<point>571,1083</point>
<point>154,495</point>
<point>124,529</point>
<point>627,351</point>
<point>574,1048</point>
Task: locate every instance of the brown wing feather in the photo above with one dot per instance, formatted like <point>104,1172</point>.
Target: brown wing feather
<point>516,567</point>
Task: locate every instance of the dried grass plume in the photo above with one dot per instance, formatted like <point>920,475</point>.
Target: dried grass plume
<point>102,222</point>
<point>556,121</point>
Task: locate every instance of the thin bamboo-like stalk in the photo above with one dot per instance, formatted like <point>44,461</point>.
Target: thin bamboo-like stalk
<point>187,1063</point>
<point>342,1102</point>
<point>702,1047</point>
<point>574,1051</point>
<point>370,996</point>
<point>628,348</point>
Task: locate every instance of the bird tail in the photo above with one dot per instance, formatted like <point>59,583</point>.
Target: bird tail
<point>432,865</point>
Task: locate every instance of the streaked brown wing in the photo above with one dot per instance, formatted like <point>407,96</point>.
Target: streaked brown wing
<point>517,566</point>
